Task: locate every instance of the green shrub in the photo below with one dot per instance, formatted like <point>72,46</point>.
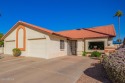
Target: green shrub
<point>1,43</point>
<point>16,52</point>
<point>84,53</point>
<point>95,54</point>
<point>0,57</point>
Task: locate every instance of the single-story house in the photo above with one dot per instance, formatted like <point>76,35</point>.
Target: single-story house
<point>35,41</point>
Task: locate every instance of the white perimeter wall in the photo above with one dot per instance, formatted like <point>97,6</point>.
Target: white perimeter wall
<point>1,50</point>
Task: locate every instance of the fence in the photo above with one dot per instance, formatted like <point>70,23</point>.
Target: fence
<point>1,50</point>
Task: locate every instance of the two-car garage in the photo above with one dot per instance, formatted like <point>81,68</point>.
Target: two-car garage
<point>32,43</point>
<point>35,47</point>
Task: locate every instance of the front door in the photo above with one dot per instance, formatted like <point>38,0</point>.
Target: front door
<point>73,45</point>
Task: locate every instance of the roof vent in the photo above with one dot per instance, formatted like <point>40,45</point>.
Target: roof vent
<point>83,28</point>
<point>78,29</point>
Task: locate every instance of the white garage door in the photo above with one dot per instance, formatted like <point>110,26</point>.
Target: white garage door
<point>37,48</point>
<point>9,46</point>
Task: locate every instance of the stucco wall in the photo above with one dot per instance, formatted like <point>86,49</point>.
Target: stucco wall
<point>1,50</point>
<point>68,48</point>
<point>54,47</point>
<point>7,41</point>
<point>51,49</point>
<point>20,38</point>
<point>110,41</point>
<point>32,34</point>
<point>80,46</point>
<point>11,36</point>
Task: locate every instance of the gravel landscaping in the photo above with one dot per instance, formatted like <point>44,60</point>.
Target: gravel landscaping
<point>94,74</point>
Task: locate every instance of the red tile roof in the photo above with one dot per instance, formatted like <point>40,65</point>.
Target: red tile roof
<point>102,31</point>
<point>35,27</point>
<point>41,29</point>
<point>95,32</point>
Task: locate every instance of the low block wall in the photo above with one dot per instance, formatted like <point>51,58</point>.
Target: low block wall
<point>109,49</point>
<point>1,50</point>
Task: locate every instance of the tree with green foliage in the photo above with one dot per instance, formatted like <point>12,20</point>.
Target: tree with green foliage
<point>1,41</point>
<point>1,35</point>
<point>118,14</point>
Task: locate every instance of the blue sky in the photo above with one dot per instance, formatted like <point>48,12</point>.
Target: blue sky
<point>58,15</point>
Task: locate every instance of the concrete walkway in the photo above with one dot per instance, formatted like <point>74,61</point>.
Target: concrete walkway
<point>66,69</point>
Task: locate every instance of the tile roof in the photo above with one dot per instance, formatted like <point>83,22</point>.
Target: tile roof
<point>41,29</point>
<point>95,32</point>
<point>36,27</point>
<point>102,31</point>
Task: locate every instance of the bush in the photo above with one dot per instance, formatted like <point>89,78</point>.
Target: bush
<point>84,53</point>
<point>0,57</point>
<point>16,52</point>
<point>95,54</point>
<point>114,65</point>
<point>1,43</point>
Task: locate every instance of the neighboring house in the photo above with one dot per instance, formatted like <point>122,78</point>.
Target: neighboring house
<point>117,44</point>
<point>36,41</point>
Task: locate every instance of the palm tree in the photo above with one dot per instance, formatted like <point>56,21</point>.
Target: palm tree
<point>119,14</point>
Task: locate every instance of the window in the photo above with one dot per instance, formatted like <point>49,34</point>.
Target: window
<point>96,45</point>
<point>62,44</point>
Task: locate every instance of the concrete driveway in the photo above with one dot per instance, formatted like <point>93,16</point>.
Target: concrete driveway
<point>65,69</point>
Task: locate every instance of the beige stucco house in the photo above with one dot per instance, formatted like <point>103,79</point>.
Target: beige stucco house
<point>36,41</point>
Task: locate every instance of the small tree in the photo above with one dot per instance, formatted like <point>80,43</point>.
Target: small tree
<point>1,41</point>
<point>1,35</point>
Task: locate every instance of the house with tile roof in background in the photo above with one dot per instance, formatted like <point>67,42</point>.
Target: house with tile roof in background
<point>35,41</point>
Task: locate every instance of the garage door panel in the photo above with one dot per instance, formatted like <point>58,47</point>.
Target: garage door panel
<point>9,46</point>
<point>37,48</point>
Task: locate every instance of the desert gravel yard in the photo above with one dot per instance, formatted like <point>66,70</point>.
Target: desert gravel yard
<point>67,69</point>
